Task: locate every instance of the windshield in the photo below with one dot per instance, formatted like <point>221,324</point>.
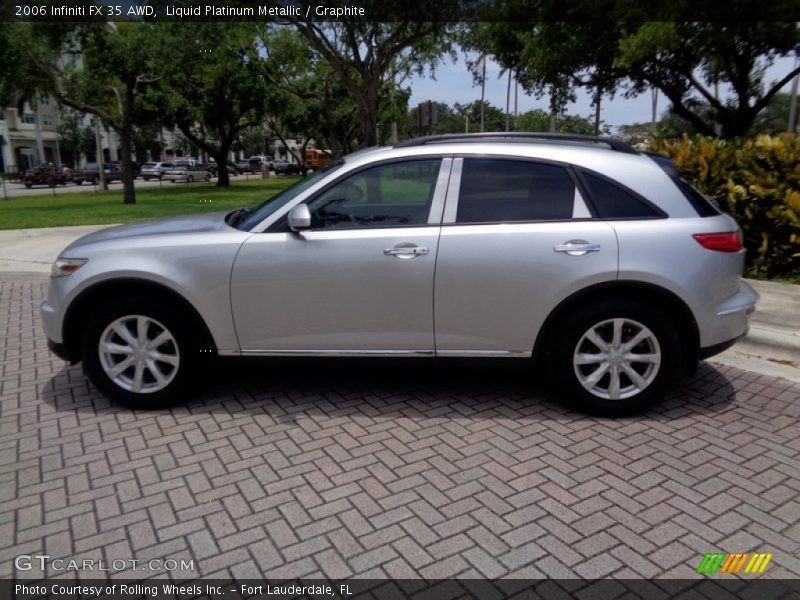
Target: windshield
<point>269,206</point>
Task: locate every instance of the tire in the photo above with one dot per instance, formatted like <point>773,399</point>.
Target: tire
<point>28,184</point>
<point>575,360</point>
<point>79,182</point>
<point>95,180</point>
<point>208,178</point>
<point>189,179</point>
<point>180,350</point>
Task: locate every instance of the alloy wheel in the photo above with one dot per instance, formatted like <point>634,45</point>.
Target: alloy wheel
<point>617,359</point>
<point>139,354</point>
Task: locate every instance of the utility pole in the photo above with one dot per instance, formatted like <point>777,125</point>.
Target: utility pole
<point>792,125</point>
<point>516,90</point>
<point>654,99</point>
<point>508,100</point>
<point>483,87</point>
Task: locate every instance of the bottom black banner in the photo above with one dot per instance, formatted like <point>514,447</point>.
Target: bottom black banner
<point>545,589</point>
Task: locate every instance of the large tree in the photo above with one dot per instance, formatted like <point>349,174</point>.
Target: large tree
<point>722,63</point>
<point>97,68</point>
<point>213,88</point>
<point>693,60</point>
<point>365,54</point>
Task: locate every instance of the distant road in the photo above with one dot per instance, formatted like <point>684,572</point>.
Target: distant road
<point>18,190</point>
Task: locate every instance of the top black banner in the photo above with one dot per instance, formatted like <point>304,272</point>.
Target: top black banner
<point>400,10</point>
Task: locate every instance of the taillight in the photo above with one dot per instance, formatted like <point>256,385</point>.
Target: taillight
<point>729,241</point>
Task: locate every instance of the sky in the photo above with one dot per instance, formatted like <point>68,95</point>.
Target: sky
<point>454,83</point>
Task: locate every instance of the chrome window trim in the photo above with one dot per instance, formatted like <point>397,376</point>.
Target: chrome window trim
<point>440,192</point>
<point>453,189</point>
<point>579,208</point>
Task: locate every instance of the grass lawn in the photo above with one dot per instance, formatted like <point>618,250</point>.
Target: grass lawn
<point>97,208</point>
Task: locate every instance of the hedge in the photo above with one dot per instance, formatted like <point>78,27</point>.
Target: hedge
<point>757,181</point>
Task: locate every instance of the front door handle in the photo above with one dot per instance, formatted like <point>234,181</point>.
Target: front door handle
<point>577,248</point>
<point>406,252</point>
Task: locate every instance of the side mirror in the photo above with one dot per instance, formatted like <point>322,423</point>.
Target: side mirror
<point>299,218</point>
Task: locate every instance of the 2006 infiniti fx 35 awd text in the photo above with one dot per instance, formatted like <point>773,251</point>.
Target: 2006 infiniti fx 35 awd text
<point>576,250</point>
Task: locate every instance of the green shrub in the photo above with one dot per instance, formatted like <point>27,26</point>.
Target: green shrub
<point>757,181</point>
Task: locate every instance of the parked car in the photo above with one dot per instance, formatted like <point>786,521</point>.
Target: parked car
<point>186,171</point>
<point>47,174</point>
<point>210,167</point>
<point>577,252</point>
<point>155,170</point>
<point>284,167</point>
<point>254,164</point>
<point>136,167</point>
<point>91,173</point>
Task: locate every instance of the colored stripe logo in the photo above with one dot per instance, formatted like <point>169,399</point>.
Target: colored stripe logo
<point>743,562</point>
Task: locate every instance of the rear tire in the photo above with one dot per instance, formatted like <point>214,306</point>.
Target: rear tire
<point>614,358</point>
<point>142,353</point>
<point>189,179</point>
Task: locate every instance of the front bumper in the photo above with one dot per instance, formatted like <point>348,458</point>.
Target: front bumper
<point>61,351</point>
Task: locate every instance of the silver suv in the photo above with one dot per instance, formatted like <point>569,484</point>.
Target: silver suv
<point>577,251</point>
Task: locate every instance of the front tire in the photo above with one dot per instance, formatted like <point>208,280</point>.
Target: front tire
<point>141,353</point>
<point>614,358</point>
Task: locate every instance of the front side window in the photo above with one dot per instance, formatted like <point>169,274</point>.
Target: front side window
<point>388,195</point>
<point>498,190</point>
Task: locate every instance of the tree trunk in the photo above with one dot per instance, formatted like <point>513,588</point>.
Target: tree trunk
<point>128,189</point>
<point>369,120</point>
<point>223,179</point>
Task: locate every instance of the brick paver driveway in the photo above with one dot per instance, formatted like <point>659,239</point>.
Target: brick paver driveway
<point>401,472</point>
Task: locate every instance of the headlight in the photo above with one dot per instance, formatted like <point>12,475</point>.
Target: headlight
<point>66,266</point>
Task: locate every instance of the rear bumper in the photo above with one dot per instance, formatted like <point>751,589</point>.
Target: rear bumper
<point>728,321</point>
<point>710,351</point>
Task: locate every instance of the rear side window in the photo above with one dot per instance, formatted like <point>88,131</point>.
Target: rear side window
<point>704,206</point>
<point>506,191</point>
<point>614,202</point>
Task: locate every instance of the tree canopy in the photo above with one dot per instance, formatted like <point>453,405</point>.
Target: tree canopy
<point>722,63</point>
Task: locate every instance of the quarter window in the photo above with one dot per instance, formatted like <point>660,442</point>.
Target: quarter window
<point>506,191</point>
<point>388,195</point>
<point>613,202</point>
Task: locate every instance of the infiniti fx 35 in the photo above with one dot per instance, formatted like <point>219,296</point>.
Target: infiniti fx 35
<point>580,252</point>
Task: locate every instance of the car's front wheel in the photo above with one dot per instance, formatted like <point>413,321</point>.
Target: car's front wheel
<point>614,358</point>
<point>141,353</point>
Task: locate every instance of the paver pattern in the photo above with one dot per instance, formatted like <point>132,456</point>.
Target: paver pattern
<point>403,472</point>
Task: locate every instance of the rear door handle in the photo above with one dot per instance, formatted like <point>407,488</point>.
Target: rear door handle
<point>406,251</point>
<point>577,248</point>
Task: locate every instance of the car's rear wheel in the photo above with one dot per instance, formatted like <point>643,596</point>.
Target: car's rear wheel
<point>189,179</point>
<point>208,177</point>
<point>141,353</point>
<point>614,358</point>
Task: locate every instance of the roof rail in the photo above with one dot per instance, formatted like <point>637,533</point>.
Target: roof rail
<point>518,136</point>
